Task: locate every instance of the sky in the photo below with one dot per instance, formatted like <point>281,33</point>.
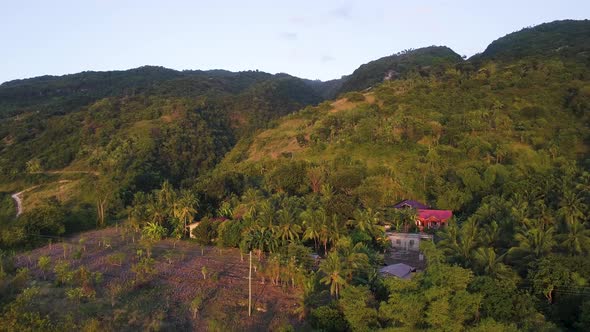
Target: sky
<point>319,39</point>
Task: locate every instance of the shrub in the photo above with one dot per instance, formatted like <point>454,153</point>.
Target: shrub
<point>328,319</point>
<point>354,97</point>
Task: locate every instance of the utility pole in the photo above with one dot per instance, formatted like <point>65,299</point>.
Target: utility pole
<point>250,288</point>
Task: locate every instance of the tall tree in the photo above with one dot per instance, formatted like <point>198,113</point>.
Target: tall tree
<point>333,272</point>
<point>185,208</point>
<point>577,239</point>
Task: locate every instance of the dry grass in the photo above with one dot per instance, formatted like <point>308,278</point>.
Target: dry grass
<point>343,104</point>
<point>274,142</point>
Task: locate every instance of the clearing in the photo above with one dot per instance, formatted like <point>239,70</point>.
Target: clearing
<point>163,299</point>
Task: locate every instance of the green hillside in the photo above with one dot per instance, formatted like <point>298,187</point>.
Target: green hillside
<point>566,38</point>
<point>420,62</point>
<point>135,128</point>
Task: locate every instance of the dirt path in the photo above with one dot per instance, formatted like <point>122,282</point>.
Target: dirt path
<point>67,172</point>
<point>18,197</point>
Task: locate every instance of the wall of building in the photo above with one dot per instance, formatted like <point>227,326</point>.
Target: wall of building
<point>405,241</point>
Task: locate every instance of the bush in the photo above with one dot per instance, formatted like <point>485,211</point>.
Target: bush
<point>354,97</point>
<point>328,319</point>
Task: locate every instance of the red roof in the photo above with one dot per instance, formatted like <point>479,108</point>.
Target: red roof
<point>434,215</point>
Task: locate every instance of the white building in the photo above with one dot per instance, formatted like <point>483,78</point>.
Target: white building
<point>407,241</point>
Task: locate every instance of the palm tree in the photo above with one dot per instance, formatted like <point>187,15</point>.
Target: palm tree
<point>353,257</point>
<point>250,199</point>
<point>404,219</point>
<point>577,240</point>
<point>572,207</point>
<point>490,234</point>
<point>324,231</point>
<point>256,239</point>
<point>166,195</point>
<point>305,300</point>
<point>156,212</point>
<point>184,208</point>
<point>266,215</point>
<point>332,268</point>
<point>533,243</point>
<point>489,262</point>
<point>288,230</point>
<point>313,226</point>
<point>334,230</point>
<point>460,241</point>
<point>367,222</point>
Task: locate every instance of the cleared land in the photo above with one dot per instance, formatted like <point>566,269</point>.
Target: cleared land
<point>162,300</point>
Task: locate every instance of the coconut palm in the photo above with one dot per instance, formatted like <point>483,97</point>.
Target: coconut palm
<point>250,199</point>
<point>367,222</point>
<point>184,208</point>
<point>266,214</point>
<point>489,262</point>
<point>353,257</point>
<point>572,207</point>
<point>313,225</point>
<point>157,212</point>
<point>404,218</point>
<point>533,243</point>
<point>324,232</point>
<point>166,195</point>
<point>460,241</point>
<point>333,272</point>
<point>335,230</point>
<point>490,234</point>
<point>576,240</point>
<point>288,229</point>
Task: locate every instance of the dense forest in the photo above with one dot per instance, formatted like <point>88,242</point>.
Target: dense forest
<point>268,166</point>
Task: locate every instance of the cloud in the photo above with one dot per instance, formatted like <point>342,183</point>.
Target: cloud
<point>342,12</point>
<point>327,58</point>
<point>288,36</point>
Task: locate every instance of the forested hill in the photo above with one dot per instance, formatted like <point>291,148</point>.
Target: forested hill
<point>562,39</point>
<point>566,38</point>
<point>54,119</point>
<point>450,138</point>
<point>64,93</point>
<point>421,62</point>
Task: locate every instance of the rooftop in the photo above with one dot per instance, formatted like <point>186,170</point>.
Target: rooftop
<point>399,270</point>
<point>408,203</point>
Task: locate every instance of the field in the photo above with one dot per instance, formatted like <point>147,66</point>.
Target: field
<point>159,298</point>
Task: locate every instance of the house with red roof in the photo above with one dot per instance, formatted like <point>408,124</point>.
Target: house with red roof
<point>427,217</point>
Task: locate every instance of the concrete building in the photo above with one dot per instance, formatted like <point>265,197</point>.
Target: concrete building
<point>407,241</point>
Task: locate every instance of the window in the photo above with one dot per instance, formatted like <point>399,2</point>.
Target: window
<point>411,243</point>
<point>398,241</point>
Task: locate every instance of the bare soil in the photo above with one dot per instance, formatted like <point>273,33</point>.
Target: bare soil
<point>167,294</point>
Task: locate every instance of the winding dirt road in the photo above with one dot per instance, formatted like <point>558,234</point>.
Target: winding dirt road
<point>19,202</point>
<point>18,197</point>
